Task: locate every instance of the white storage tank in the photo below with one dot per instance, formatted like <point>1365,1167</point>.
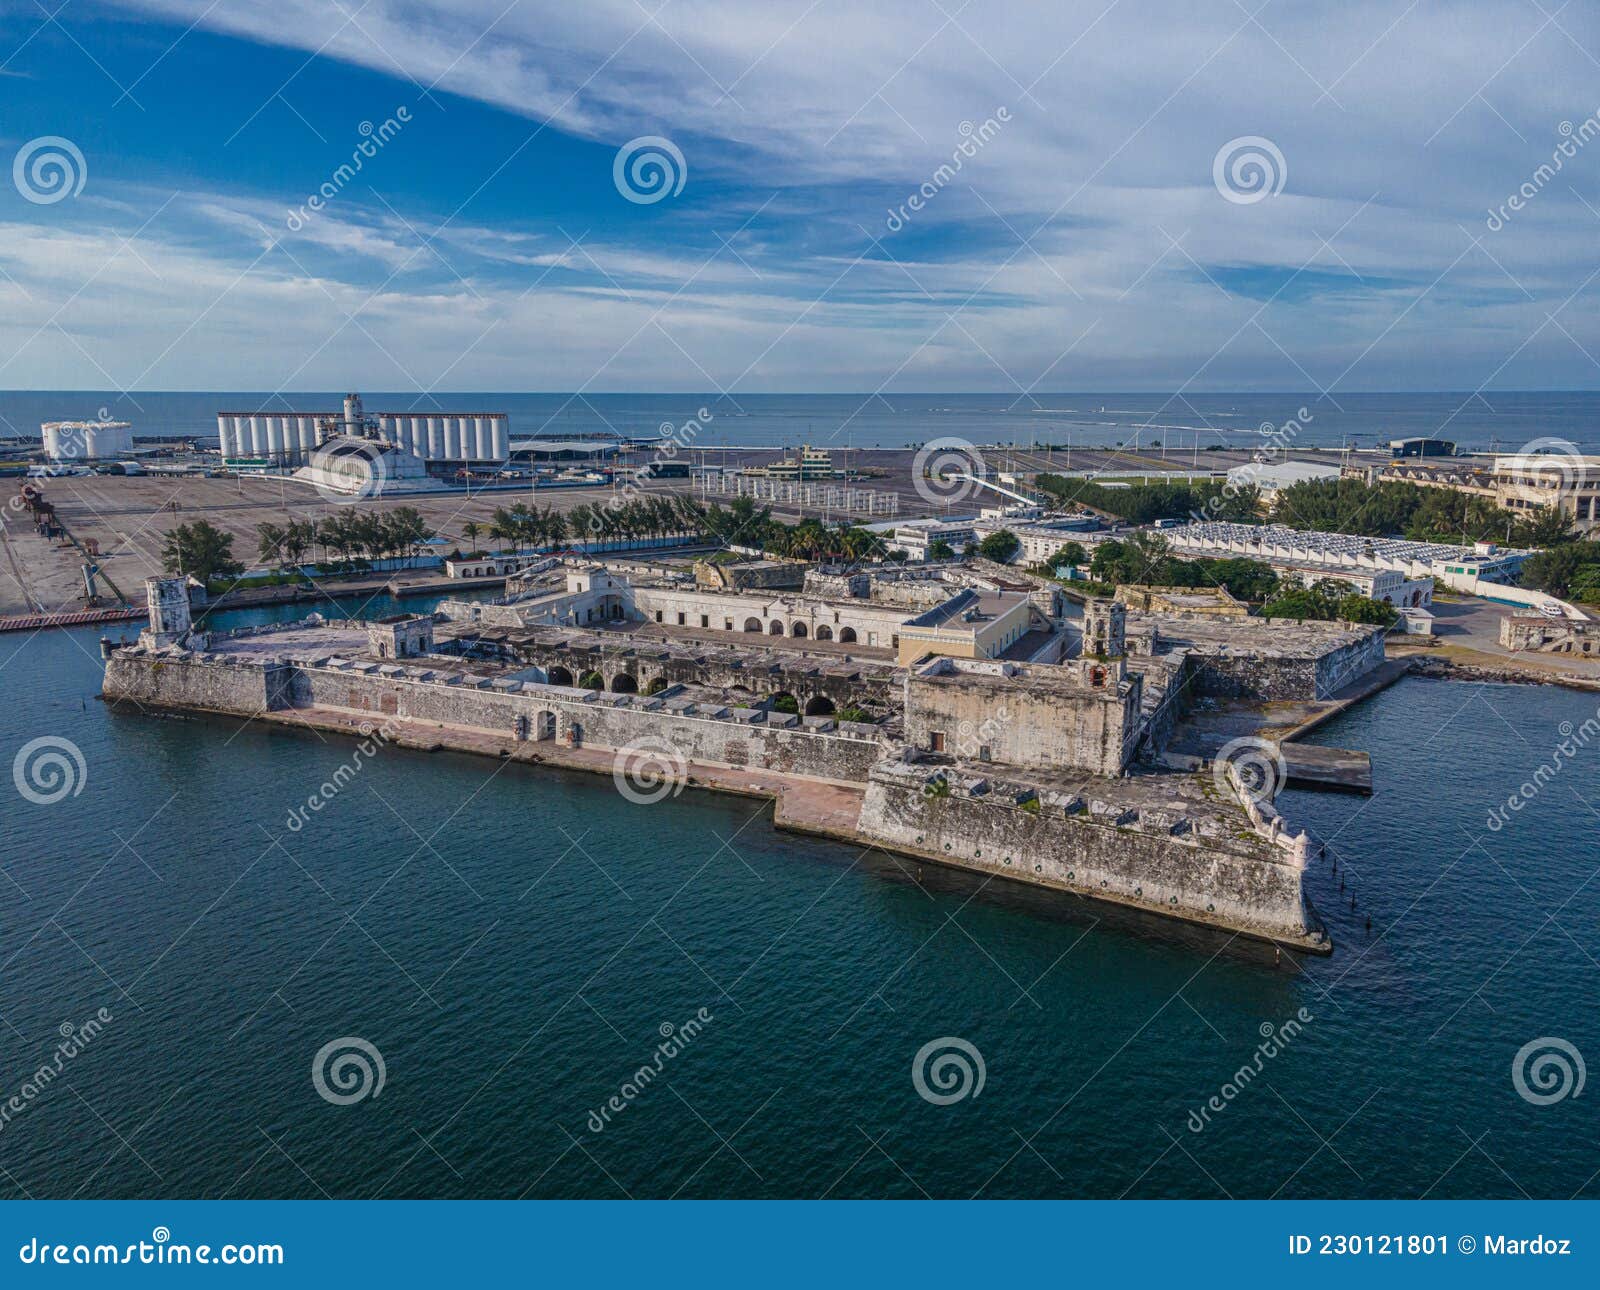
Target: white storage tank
<point>86,440</point>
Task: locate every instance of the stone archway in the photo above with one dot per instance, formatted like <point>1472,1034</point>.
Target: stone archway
<point>847,635</point>
<point>752,624</point>
<point>775,628</point>
<point>559,676</point>
<point>783,701</point>
<point>819,705</point>
<point>824,632</point>
<point>798,630</point>
<point>624,683</point>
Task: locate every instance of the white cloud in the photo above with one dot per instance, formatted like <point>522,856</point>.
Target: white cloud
<point>1401,125</point>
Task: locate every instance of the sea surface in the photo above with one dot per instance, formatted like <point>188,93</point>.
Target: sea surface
<point>514,943</point>
<point>1503,421</point>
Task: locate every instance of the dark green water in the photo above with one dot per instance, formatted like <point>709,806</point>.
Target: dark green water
<point>512,941</point>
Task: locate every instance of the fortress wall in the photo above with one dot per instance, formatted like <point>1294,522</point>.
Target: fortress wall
<point>1207,879</point>
<point>1254,677</point>
<point>1348,663</point>
<point>724,742</point>
<point>214,686</point>
<point>250,689</point>
<point>1049,729</point>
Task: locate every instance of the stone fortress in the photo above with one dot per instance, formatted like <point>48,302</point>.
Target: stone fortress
<point>962,714</point>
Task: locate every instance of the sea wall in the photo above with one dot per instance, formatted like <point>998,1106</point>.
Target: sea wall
<point>716,736</point>
<point>198,681</point>
<point>1237,882</point>
<point>1265,676</point>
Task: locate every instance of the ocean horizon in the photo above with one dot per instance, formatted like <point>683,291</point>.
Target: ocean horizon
<point>1504,420</point>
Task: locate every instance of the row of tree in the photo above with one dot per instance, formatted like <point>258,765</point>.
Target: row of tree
<point>1209,499</point>
<point>1422,514</point>
<point>348,537</point>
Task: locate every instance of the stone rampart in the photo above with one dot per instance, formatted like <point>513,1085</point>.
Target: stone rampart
<point>1150,859</point>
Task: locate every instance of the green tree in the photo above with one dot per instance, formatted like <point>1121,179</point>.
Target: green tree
<point>1363,609</point>
<point>939,549</point>
<point>1000,546</point>
<point>1561,570</point>
<point>201,550</point>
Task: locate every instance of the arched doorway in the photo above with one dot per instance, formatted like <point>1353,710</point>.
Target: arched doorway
<point>622,683</point>
<point>819,705</point>
<point>592,681</point>
<point>847,635</point>
<point>776,629</point>
<point>752,624</point>
<point>799,630</point>
<point>824,632</point>
<point>559,676</point>
<point>783,701</point>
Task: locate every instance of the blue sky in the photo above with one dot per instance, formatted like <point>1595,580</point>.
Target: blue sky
<point>1092,237</point>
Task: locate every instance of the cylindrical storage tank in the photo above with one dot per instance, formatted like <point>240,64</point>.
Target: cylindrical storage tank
<point>435,440</point>
<point>452,437</point>
<point>480,437</point>
<point>502,439</point>
<point>308,435</point>
<point>223,426</point>
<point>241,437</point>
<point>354,417</point>
<point>256,438</point>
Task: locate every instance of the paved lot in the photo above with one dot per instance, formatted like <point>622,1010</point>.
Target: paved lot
<point>130,517</point>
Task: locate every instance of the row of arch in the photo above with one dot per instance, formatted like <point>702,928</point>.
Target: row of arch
<point>819,705</point>
<point>799,630</point>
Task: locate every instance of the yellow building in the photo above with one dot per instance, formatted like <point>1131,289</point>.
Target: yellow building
<point>975,624</point>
